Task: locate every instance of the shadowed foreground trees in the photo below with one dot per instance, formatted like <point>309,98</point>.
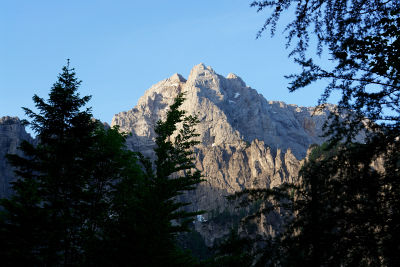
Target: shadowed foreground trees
<point>344,210</point>
<point>82,198</point>
<point>147,217</point>
<point>361,41</point>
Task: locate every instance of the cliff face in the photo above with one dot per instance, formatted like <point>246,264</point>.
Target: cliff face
<point>11,135</point>
<point>229,111</point>
<point>245,140</point>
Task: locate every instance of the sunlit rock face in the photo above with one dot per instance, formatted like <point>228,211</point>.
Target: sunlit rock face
<point>230,112</point>
<point>12,132</point>
<point>246,141</point>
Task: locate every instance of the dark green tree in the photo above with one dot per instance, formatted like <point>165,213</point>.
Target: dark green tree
<point>62,189</point>
<point>175,174</point>
<point>117,203</point>
<point>147,216</point>
<point>342,211</point>
<point>50,185</point>
<point>361,39</point>
<point>232,252</point>
<point>332,213</point>
<point>81,198</point>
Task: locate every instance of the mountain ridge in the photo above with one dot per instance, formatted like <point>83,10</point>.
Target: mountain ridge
<point>244,114</point>
<point>246,141</point>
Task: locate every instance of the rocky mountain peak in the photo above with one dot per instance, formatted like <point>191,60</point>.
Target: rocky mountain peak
<point>200,70</point>
<point>8,120</point>
<point>236,79</point>
<point>229,111</point>
<point>245,140</point>
<point>177,78</point>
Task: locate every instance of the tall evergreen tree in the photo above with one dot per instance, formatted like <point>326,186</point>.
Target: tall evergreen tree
<point>61,193</point>
<point>51,183</point>
<point>147,218</point>
<point>175,174</point>
<point>117,203</point>
<point>81,198</point>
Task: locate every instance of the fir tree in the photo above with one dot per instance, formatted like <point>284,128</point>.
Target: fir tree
<point>146,213</point>
<point>51,182</point>
<point>155,215</point>
<point>62,191</point>
<point>81,197</point>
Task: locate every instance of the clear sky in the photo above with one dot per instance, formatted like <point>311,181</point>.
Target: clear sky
<point>120,48</point>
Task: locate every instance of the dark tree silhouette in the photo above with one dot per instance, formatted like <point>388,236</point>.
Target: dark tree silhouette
<point>46,218</point>
<point>343,210</point>
<point>362,40</point>
<point>82,198</point>
<point>147,217</point>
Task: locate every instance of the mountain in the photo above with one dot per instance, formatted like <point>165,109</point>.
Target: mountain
<point>246,141</point>
<point>229,112</point>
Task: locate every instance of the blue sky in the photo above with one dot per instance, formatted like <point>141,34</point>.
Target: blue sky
<point>120,48</point>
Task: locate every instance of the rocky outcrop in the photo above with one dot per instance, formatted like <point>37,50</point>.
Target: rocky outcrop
<point>229,112</point>
<point>12,132</point>
<point>246,141</point>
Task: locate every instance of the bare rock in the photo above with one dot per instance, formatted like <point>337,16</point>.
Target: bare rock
<point>245,140</point>
<point>12,132</point>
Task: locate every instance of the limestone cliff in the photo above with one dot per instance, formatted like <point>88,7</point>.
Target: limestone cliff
<point>245,140</point>
<point>230,112</point>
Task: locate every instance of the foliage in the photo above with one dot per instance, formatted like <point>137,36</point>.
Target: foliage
<point>175,168</point>
<point>48,217</point>
<point>82,198</point>
<point>234,251</point>
<point>159,216</point>
<point>362,38</point>
<point>343,210</point>
<point>194,242</point>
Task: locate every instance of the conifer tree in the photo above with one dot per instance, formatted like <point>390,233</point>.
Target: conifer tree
<point>175,174</point>
<point>51,182</point>
<point>148,216</point>
<point>342,211</point>
<point>81,198</point>
<point>62,189</point>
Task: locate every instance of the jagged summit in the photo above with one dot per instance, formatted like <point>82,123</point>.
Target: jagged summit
<point>9,120</point>
<point>245,140</point>
<point>200,72</point>
<point>177,78</point>
<point>201,67</point>
<point>234,77</point>
<point>230,112</point>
